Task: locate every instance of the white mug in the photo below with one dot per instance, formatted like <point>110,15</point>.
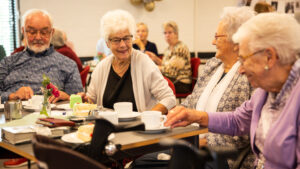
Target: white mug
<point>110,116</point>
<point>36,100</point>
<point>123,107</point>
<point>153,119</point>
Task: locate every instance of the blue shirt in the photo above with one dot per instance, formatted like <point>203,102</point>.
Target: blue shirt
<point>27,68</point>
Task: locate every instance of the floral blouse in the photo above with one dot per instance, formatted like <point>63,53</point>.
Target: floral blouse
<point>176,63</point>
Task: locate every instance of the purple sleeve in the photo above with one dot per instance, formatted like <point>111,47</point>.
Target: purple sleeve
<point>232,123</point>
<point>298,145</point>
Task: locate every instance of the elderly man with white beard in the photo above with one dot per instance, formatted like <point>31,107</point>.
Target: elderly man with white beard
<point>21,73</point>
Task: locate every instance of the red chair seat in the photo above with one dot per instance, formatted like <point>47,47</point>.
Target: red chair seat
<point>195,62</point>
<point>83,75</point>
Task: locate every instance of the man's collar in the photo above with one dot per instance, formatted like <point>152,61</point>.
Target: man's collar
<point>46,52</point>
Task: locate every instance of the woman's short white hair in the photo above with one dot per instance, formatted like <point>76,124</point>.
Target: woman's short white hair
<point>34,11</point>
<point>280,31</point>
<point>233,17</point>
<point>115,21</point>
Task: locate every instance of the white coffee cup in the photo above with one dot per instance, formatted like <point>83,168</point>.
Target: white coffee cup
<point>123,107</point>
<point>36,100</point>
<point>153,119</point>
<point>110,116</point>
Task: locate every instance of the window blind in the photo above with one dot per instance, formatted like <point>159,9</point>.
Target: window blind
<point>9,25</point>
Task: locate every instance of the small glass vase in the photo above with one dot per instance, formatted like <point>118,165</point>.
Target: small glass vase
<point>46,108</point>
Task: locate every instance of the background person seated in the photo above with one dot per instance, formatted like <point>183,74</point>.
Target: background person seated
<point>176,63</point>
<point>102,49</point>
<point>122,76</point>
<point>141,43</point>
<point>59,45</point>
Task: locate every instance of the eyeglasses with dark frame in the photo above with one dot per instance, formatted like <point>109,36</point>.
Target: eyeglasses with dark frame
<point>116,41</point>
<point>242,59</point>
<point>45,32</point>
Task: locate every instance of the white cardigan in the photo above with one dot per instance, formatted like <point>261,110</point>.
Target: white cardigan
<point>149,86</point>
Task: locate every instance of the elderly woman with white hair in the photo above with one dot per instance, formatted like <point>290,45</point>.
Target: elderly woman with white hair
<point>269,46</point>
<point>127,75</point>
<point>220,87</point>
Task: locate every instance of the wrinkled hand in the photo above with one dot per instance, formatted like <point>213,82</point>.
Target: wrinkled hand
<point>181,116</point>
<point>23,93</point>
<point>62,96</point>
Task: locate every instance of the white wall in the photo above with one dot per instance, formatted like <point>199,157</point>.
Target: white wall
<point>197,20</point>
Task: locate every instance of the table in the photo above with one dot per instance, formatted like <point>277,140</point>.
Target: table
<point>138,144</point>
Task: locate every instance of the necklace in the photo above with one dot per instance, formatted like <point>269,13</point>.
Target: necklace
<point>121,67</point>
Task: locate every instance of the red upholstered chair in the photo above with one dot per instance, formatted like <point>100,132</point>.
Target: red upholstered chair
<point>195,62</point>
<point>83,75</point>
<point>171,85</point>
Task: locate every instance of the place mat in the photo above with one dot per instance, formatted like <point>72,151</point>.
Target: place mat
<point>31,118</point>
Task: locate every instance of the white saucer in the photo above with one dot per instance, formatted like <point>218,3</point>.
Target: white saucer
<point>156,131</point>
<point>72,138</point>
<point>1,107</point>
<point>64,106</point>
<point>128,116</point>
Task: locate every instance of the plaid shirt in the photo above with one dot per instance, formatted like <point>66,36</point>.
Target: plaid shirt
<point>26,69</point>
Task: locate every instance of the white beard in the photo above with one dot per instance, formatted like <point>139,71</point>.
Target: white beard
<point>39,49</point>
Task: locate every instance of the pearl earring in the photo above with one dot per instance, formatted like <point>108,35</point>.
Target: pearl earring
<point>266,67</point>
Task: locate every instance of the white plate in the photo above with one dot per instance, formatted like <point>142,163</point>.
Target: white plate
<point>128,116</point>
<point>64,106</point>
<point>35,107</point>
<point>72,138</point>
<point>1,107</point>
<point>156,131</point>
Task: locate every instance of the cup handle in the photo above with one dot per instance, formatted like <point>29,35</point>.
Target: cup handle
<point>164,119</point>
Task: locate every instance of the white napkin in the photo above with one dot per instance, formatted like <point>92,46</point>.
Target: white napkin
<point>163,156</point>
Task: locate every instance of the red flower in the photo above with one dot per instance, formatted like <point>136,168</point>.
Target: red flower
<point>55,91</point>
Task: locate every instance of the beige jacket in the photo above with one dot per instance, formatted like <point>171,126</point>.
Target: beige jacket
<point>149,86</point>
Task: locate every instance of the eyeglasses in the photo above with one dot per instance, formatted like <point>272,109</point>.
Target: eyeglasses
<point>217,36</point>
<point>243,58</point>
<point>43,32</point>
<point>168,32</point>
<point>116,41</point>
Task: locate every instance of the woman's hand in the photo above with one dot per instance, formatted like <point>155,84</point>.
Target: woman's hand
<point>155,58</point>
<point>84,97</point>
<point>140,44</point>
<point>181,116</point>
